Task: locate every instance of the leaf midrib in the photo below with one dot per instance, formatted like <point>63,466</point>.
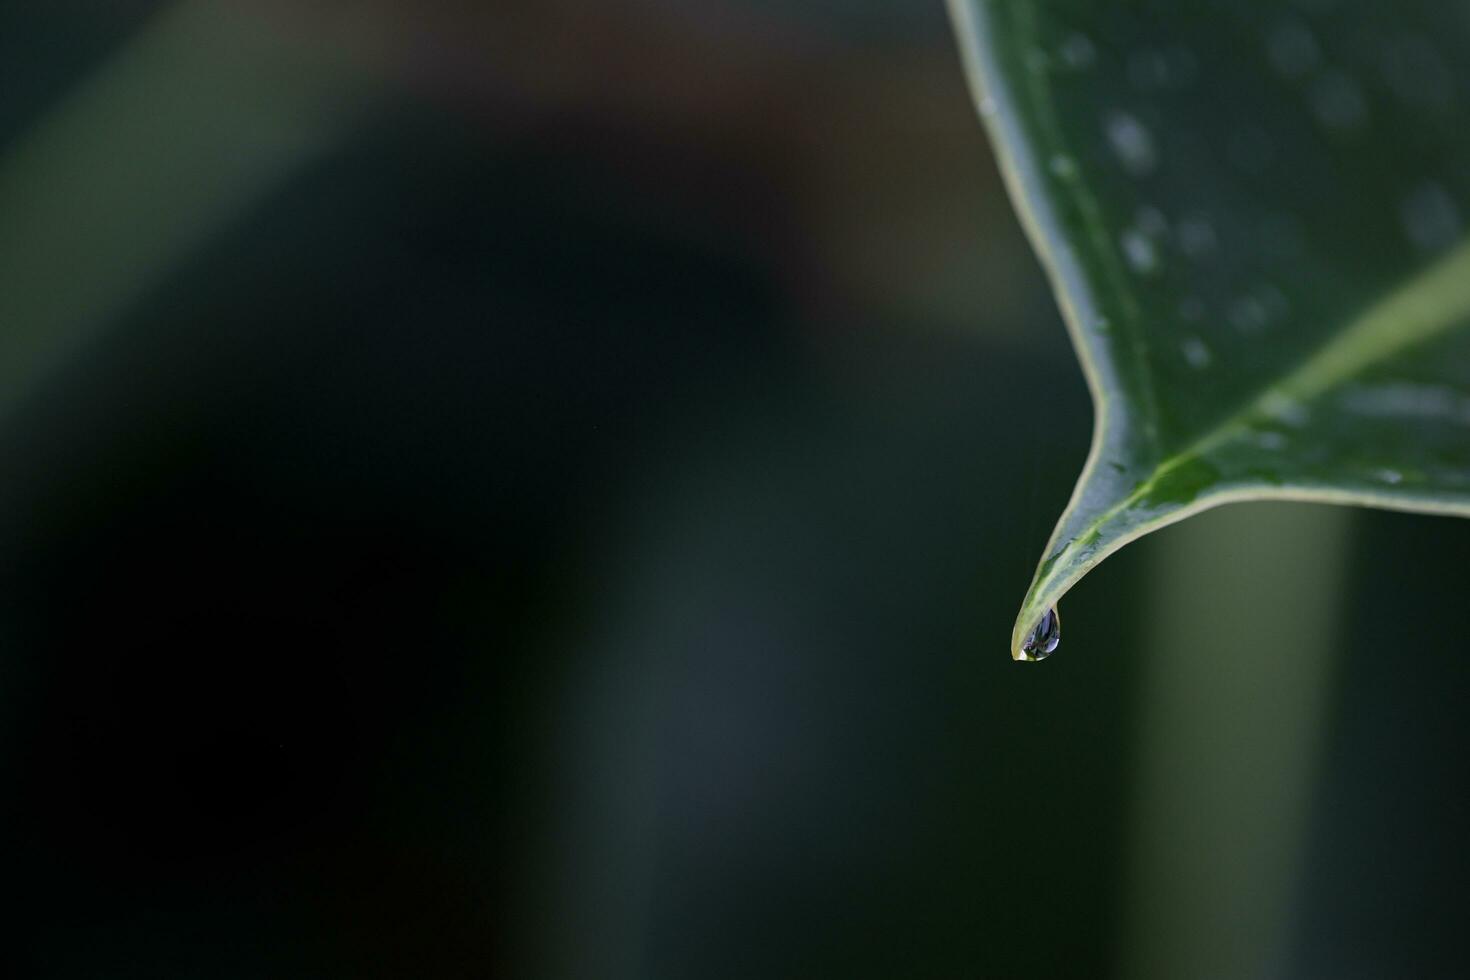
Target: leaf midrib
<point>1435,300</point>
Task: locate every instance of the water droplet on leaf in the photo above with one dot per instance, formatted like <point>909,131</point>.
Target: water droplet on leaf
<point>1293,50</point>
<point>1430,218</point>
<point>1063,166</point>
<point>1151,222</point>
<point>1148,70</point>
<point>1133,144</point>
<point>1196,235</point>
<point>1338,102</point>
<point>1196,353</point>
<point>1078,52</point>
<point>1139,251</point>
<point>1044,638</point>
<point>1418,75</point>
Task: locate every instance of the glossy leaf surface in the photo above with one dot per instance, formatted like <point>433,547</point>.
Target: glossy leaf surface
<point>1253,217</point>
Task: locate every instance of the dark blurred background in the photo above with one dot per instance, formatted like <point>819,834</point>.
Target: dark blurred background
<point>543,489</point>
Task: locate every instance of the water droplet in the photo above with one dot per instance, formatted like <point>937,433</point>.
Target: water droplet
<point>1430,218</point>
<point>1151,222</point>
<point>1196,235</point>
<point>1132,143</point>
<point>1338,102</point>
<point>1147,69</point>
<point>1270,441</point>
<point>987,106</point>
<point>1063,166</point>
<point>1293,50</point>
<point>1248,314</point>
<point>1285,409</point>
<point>1044,638</point>
<point>1390,477</point>
<point>1273,299</point>
<point>1406,400</point>
<point>1196,354</point>
<point>1078,52</point>
<point>1416,73</point>
<point>1139,251</point>
<point>1258,308</point>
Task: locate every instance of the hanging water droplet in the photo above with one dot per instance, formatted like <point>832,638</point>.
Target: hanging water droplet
<point>1045,638</point>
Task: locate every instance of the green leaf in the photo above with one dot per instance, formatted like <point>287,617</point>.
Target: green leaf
<point>1253,216</point>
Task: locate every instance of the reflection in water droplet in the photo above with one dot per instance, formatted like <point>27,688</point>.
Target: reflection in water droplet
<point>1045,638</point>
<point>1430,218</point>
<point>1139,251</point>
<point>1132,143</point>
<point>1338,102</point>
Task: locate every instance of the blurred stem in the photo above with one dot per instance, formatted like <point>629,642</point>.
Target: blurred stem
<point>200,116</point>
<point>1247,602</point>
